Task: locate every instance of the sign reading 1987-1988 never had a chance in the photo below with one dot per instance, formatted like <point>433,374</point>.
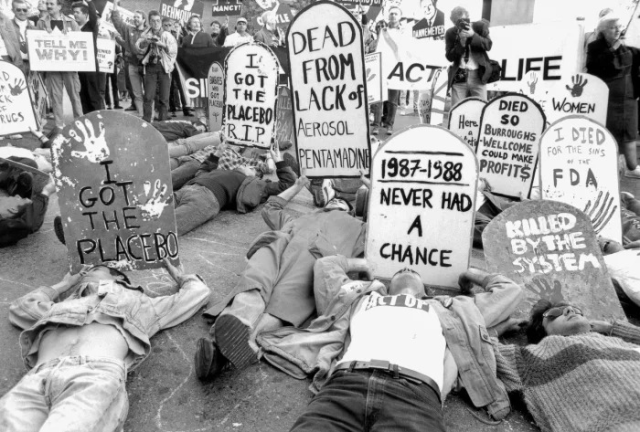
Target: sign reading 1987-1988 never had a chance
<point>326,59</point>
<point>422,205</point>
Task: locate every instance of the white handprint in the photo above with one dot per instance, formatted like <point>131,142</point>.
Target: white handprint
<point>156,201</point>
<point>96,146</point>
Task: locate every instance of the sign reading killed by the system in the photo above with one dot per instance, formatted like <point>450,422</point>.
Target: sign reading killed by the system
<point>60,52</point>
<point>464,120</point>
<point>250,95</point>
<point>330,103</point>
<point>215,82</point>
<point>579,166</point>
<point>221,8</point>
<point>181,10</point>
<point>510,130</point>
<point>106,54</point>
<point>550,249</point>
<point>284,116</point>
<point>422,205</point>
<point>16,110</point>
<point>580,94</point>
<point>115,193</point>
<point>373,64</point>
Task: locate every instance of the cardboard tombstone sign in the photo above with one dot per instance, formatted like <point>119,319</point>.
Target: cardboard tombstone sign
<point>61,52</point>
<point>330,102</point>
<point>373,64</point>
<point>284,117</point>
<point>579,166</point>
<point>250,95</point>
<point>422,205</point>
<point>464,120</point>
<point>507,151</point>
<point>114,187</point>
<point>580,94</point>
<point>529,87</point>
<point>216,96</point>
<point>550,249</point>
<point>16,110</point>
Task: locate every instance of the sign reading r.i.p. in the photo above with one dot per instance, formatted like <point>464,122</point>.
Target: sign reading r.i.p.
<point>326,61</point>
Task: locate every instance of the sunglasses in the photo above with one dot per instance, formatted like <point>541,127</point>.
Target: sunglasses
<point>555,312</point>
<point>21,10</point>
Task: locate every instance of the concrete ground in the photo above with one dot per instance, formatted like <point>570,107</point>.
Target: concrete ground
<point>164,393</point>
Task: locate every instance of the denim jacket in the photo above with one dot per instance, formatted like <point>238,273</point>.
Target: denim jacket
<point>317,348</point>
<point>138,315</point>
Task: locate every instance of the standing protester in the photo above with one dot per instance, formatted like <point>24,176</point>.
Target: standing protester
<point>177,100</point>
<point>9,42</point>
<point>240,36</point>
<point>111,92</point>
<point>22,24</point>
<point>466,45</point>
<point>92,83</point>
<point>42,12</point>
<point>269,33</point>
<point>196,38</point>
<point>56,82</point>
<point>617,65</point>
<point>219,32</point>
<point>160,51</point>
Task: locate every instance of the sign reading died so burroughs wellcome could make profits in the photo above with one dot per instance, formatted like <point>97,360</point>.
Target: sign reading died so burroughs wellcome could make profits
<point>326,61</point>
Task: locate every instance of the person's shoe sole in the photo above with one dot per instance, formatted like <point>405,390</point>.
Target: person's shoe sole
<point>203,358</point>
<point>57,228</point>
<point>389,132</point>
<point>375,131</point>
<point>232,338</point>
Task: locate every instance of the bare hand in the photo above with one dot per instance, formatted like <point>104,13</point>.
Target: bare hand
<point>177,274</point>
<point>365,181</point>
<point>275,154</point>
<point>601,327</point>
<point>362,266</point>
<point>50,188</point>
<point>302,182</point>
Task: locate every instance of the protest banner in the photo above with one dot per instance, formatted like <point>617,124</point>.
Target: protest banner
<point>508,144</point>
<point>284,117</point>
<point>373,65</point>
<point>39,96</point>
<point>221,8</point>
<point>181,10</point>
<point>106,54</point>
<point>422,205</point>
<point>464,120</point>
<point>115,192</point>
<point>330,108</point>
<point>283,15</point>
<point>61,52</point>
<point>581,94</point>
<point>126,15</point>
<point>16,110</point>
<point>579,166</point>
<point>550,249</point>
<point>216,96</point>
<point>250,95</point>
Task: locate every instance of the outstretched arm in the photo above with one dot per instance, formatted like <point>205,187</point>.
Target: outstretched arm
<point>623,330</point>
<point>273,211</point>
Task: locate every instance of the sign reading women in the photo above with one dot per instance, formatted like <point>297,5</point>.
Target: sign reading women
<point>464,120</point>
<point>250,95</point>
<point>114,189</point>
<point>330,105</point>
<point>579,166</point>
<point>216,94</point>
<point>422,205</point>
<point>16,111</point>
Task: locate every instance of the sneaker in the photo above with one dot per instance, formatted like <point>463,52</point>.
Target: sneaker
<point>208,360</point>
<point>375,131</point>
<point>232,337</point>
<point>322,191</point>
<point>108,107</point>
<point>633,173</point>
<point>57,228</point>
<point>117,107</point>
<point>390,130</point>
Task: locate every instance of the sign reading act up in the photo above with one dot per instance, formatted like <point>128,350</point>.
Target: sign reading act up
<point>326,60</point>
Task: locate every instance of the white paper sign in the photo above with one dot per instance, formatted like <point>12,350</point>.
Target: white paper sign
<point>578,94</point>
<point>250,95</point>
<point>464,120</point>
<point>422,205</point>
<point>58,52</point>
<point>579,166</point>
<point>373,65</point>
<point>330,103</point>
<point>16,110</point>
<point>127,16</point>
<point>106,54</point>
<point>215,82</point>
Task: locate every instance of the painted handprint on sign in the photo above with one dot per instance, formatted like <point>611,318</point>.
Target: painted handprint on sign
<point>578,82</point>
<point>541,286</point>
<point>532,83</point>
<point>96,146</point>
<point>156,201</point>
<point>188,4</point>
<point>18,87</point>
<point>601,211</point>
<point>370,74</point>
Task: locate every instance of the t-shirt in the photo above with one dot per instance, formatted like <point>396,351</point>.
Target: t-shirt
<point>235,39</point>
<point>223,184</point>
<point>400,329</point>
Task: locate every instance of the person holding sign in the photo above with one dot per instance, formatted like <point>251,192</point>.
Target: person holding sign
<point>81,336</point>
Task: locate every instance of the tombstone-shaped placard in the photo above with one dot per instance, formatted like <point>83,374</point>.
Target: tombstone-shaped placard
<point>510,130</point>
<point>530,88</point>
<point>16,110</point>
<point>581,94</point>
<point>330,102</point>
<point>216,95</point>
<point>250,95</point>
<point>464,120</point>
<point>550,249</point>
<point>579,166</point>
<point>114,187</point>
<point>422,205</point>
<point>284,120</point>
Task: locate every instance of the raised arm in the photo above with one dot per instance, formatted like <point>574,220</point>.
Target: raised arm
<point>273,211</point>
<point>122,27</point>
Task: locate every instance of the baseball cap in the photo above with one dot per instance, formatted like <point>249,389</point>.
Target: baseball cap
<point>241,19</point>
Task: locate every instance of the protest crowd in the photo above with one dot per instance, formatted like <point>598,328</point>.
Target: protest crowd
<point>486,245</point>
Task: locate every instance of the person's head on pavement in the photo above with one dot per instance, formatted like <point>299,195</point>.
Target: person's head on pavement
<point>555,319</point>
<point>338,204</point>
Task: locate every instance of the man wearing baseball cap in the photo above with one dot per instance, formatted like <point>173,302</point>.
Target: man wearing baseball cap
<point>240,36</point>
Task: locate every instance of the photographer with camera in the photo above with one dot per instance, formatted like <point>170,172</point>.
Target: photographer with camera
<point>466,45</point>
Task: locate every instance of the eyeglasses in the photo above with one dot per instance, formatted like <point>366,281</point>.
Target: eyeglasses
<point>21,10</point>
<point>555,312</point>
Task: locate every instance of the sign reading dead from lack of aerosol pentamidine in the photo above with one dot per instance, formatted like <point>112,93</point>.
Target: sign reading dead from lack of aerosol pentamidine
<point>464,120</point>
<point>422,205</point>
<point>16,111</point>
<point>326,60</point>
<point>215,82</point>
<point>114,187</point>
<point>510,130</point>
<point>579,166</point>
<point>250,95</point>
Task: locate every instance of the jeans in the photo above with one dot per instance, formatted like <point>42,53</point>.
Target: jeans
<point>78,393</point>
<point>56,82</point>
<point>112,79</point>
<point>371,400</point>
<point>136,86</point>
<point>389,109</point>
<point>156,76</point>
<point>195,204</point>
<point>472,88</point>
<point>183,170</point>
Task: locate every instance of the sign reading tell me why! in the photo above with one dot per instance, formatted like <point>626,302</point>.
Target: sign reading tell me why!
<point>114,189</point>
<point>16,110</point>
<point>181,10</point>
<point>550,249</point>
<point>578,94</point>
<point>330,103</point>
<point>464,120</point>
<point>215,82</point>
<point>579,166</point>
<point>250,95</point>
<point>61,52</point>
<point>510,130</point>
<point>422,205</point>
